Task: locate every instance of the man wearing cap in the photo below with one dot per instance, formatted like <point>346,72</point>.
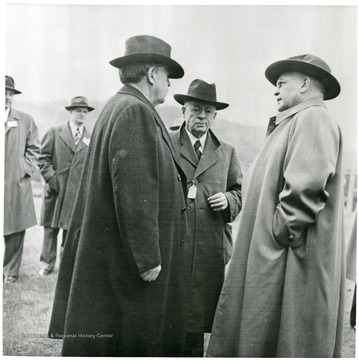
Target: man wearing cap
<point>122,283</point>
<point>21,152</point>
<point>63,152</point>
<point>284,292</point>
<point>214,181</point>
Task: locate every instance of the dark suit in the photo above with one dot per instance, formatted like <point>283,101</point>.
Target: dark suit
<point>211,240</point>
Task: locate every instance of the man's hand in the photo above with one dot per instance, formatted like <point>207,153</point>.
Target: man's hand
<point>218,202</point>
<point>53,185</point>
<point>151,275</point>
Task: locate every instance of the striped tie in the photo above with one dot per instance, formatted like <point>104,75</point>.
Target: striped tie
<point>197,145</point>
<point>77,136</point>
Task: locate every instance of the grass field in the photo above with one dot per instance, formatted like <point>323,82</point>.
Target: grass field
<point>27,304</point>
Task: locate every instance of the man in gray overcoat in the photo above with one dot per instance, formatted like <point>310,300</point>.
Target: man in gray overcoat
<point>285,288</point>
<point>22,148</point>
<point>122,284</point>
<point>63,152</point>
<point>214,180</point>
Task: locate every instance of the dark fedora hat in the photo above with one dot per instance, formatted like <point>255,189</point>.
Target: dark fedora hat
<point>199,90</point>
<point>148,49</point>
<point>10,84</point>
<point>309,65</point>
<point>79,101</point>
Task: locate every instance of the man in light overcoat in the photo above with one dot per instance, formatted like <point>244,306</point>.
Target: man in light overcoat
<point>214,180</point>
<point>63,152</point>
<point>285,288</point>
<point>22,148</point>
<point>123,277</point>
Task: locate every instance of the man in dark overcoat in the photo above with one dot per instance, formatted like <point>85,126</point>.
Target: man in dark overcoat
<point>22,148</point>
<point>214,181</point>
<point>63,152</point>
<point>122,285</point>
<point>284,291</point>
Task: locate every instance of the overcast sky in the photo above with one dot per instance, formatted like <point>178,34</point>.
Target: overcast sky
<point>55,52</point>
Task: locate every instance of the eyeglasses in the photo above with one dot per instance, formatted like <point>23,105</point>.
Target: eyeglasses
<point>196,110</point>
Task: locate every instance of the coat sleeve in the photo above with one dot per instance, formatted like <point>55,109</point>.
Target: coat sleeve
<point>46,155</point>
<point>135,177</point>
<point>310,162</point>
<point>32,148</point>
<point>234,189</point>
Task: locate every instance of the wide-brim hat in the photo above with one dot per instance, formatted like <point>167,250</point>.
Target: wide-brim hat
<point>199,90</point>
<point>309,65</point>
<point>149,49</point>
<point>10,84</point>
<point>79,101</point>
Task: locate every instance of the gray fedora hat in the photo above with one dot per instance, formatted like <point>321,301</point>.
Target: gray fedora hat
<point>309,65</point>
<point>148,49</point>
<point>10,84</point>
<point>199,90</point>
<point>79,101</point>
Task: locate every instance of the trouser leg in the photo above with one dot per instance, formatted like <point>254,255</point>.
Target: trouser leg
<point>14,245</point>
<point>194,345</point>
<point>49,248</point>
<point>64,234</point>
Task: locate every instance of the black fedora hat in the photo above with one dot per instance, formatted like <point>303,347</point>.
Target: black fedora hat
<point>148,49</point>
<point>309,65</point>
<point>10,84</point>
<point>79,101</point>
<point>199,90</point>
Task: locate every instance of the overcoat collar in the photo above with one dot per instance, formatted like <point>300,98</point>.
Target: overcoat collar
<point>130,90</point>
<point>66,135</point>
<point>295,109</point>
<point>210,152</point>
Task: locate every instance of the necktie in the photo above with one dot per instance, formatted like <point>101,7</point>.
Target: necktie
<point>197,145</point>
<point>77,136</point>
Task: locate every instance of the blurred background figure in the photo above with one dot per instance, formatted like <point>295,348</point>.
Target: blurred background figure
<point>176,124</point>
<point>21,151</point>
<point>63,152</point>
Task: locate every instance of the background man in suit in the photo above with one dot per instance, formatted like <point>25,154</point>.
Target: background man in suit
<point>285,287</point>
<point>214,180</point>
<point>63,152</point>
<point>21,151</point>
<point>123,274</point>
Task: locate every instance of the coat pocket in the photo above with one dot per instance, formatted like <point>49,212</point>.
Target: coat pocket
<point>227,243</point>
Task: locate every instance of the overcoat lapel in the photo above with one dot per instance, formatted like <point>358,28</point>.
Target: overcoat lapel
<point>66,135</point>
<point>82,144</point>
<point>12,117</point>
<point>210,154</point>
<point>186,149</point>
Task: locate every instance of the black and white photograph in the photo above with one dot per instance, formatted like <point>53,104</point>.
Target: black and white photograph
<point>179,179</point>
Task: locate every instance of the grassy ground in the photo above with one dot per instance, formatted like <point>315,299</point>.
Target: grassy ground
<point>27,304</point>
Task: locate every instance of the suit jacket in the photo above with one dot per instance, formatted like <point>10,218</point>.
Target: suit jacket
<point>129,217</point>
<point>60,157</point>
<point>211,236</point>
<point>22,148</point>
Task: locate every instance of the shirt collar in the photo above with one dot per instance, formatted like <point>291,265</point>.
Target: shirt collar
<point>297,108</point>
<point>73,128</point>
<point>193,139</point>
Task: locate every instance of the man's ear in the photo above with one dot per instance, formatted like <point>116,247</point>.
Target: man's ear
<point>151,75</point>
<point>183,110</point>
<point>305,85</point>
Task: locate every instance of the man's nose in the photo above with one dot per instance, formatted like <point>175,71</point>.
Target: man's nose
<point>276,92</point>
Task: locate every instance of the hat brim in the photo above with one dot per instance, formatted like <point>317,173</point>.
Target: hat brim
<point>180,98</point>
<point>175,70</point>
<point>16,92</point>
<point>89,108</point>
<point>330,83</point>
